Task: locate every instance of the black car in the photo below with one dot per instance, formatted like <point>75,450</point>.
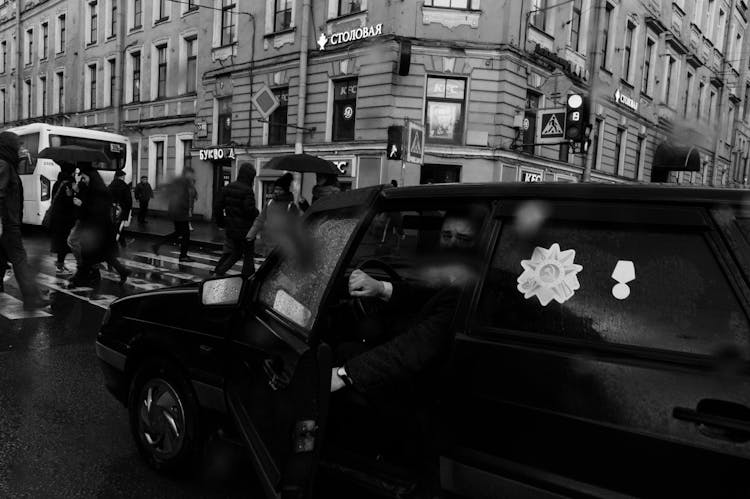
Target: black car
<point>599,347</point>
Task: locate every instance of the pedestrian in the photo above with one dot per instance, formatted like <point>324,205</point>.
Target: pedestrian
<point>326,184</point>
<point>235,210</point>
<point>394,183</point>
<point>96,230</point>
<point>193,198</point>
<point>62,215</point>
<point>11,212</point>
<point>122,200</point>
<point>179,198</point>
<point>143,194</point>
<point>273,222</point>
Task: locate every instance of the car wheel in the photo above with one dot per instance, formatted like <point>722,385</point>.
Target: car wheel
<point>164,416</point>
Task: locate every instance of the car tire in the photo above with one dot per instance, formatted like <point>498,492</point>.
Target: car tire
<point>164,416</point>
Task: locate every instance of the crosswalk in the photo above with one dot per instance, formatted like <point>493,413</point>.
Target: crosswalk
<point>148,272</point>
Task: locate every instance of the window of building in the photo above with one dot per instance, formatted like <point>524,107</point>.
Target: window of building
<point>29,46</point>
<point>639,157</point>
<point>745,111</point>
<point>533,100</point>
<point>224,120</point>
<point>699,107</point>
<point>161,10</point>
<point>60,79</point>
<point>564,153</point>
<point>187,157</point>
<point>137,14</point>
<point>538,14</point>
<point>709,24</point>
<point>4,55</point>
<point>135,59</point>
<point>349,7</point>
<point>111,69</point>
<point>191,52</point>
<point>228,22</point>
<point>619,138</point>
<point>646,84</point>
<point>3,106</point>
<point>730,123</point>
<point>278,120</point>
<point>575,25</point>
<point>445,109</point>
<point>282,15</point>
<point>344,108</point>
<point>161,71</point>
<point>606,25</point>
<point>669,80</point>
<point>702,318</point>
<point>453,4</point>
<point>93,22</point>
<point>596,143</point>
<point>720,29</point>
<point>43,95</point>
<point>61,34</point>
<point>192,5</point>
<point>92,86</point>
<point>158,163</point>
<point>688,87</point>
<point>712,106</point>
<point>627,53</point>
<point>113,19</point>
<point>45,40</point>
<point>27,99</point>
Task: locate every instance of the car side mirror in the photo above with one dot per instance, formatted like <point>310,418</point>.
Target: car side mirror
<point>222,291</point>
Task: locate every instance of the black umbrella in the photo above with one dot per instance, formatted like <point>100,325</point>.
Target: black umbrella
<point>302,163</point>
<point>74,154</point>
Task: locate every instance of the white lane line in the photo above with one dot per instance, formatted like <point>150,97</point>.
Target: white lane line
<point>174,261</point>
<point>12,309</point>
<point>59,285</point>
<point>202,256</point>
<point>146,267</point>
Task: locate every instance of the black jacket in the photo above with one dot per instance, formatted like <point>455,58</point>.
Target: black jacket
<point>95,219</point>
<point>143,192</point>
<point>120,192</point>
<point>179,194</point>
<point>235,207</point>
<point>11,194</point>
<point>418,347</point>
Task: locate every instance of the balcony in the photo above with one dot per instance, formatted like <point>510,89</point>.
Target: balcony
<point>678,17</point>
<point>174,108</point>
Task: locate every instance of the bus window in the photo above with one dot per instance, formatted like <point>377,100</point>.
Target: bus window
<point>115,151</point>
<point>30,142</point>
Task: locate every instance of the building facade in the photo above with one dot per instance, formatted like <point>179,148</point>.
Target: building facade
<point>481,76</point>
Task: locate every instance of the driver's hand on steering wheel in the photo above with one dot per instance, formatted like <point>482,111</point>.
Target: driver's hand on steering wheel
<point>362,285</point>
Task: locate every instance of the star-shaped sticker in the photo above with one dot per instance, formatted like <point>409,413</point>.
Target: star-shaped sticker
<point>322,40</point>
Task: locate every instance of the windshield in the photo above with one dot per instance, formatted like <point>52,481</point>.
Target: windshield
<point>115,151</point>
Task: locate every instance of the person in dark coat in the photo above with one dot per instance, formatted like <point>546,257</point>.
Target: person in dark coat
<point>11,214</point>
<point>235,211</point>
<point>327,184</point>
<point>143,194</point>
<point>62,215</point>
<point>123,199</point>
<point>96,229</point>
<point>274,222</point>
<point>179,194</point>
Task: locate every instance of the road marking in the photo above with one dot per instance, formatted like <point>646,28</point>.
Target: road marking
<point>12,309</point>
<point>174,261</point>
<point>59,285</point>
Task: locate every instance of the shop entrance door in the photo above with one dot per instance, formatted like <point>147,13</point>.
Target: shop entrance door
<point>222,178</point>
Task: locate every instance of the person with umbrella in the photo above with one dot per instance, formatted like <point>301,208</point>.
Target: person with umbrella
<point>327,184</point>
<point>11,212</point>
<point>275,219</point>
<point>62,215</point>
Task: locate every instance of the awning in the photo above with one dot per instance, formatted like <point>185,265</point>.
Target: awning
<point>674,157</point>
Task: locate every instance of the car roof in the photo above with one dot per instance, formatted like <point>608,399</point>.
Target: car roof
<point>575,191</point>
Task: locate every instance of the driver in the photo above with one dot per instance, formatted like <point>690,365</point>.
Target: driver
<point>426,339</point>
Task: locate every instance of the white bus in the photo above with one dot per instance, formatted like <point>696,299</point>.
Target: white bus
<point>39,175</point>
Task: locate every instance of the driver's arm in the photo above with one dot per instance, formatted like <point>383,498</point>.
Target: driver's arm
<point>362,285</point>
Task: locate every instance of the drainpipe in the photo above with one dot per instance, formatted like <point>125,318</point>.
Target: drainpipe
<point>117,98</point>
<point>302,103</point>
<point>19,64</point>
<point>593,61</point>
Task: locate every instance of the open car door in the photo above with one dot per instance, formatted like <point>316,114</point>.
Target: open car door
<point>278,374</point>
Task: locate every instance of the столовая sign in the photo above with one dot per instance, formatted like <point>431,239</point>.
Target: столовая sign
<point>349,36</point>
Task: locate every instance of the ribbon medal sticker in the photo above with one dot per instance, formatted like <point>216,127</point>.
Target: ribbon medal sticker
<point>550,275</point>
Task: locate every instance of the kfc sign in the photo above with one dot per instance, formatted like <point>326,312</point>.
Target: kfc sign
<point>531,177</point>
<point>344,166</point>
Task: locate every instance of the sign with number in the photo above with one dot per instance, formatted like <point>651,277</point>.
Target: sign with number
<point>201,129</point>
<point>348,112</point>
<point>550,126</point>
<point>415,144</point>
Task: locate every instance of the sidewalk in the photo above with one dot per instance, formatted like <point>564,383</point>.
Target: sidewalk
<point>206,234</point>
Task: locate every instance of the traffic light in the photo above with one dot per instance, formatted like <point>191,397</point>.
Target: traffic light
<point>576,117</point>
<point>395,142</point>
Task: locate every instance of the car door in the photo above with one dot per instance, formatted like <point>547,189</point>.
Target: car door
<point>608,355</point>
<point>278,374</point>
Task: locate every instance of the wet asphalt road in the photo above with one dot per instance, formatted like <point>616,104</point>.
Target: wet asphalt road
<point>61,433</point>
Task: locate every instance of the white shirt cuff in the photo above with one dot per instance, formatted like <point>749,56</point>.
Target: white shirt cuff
<point>387,290</point>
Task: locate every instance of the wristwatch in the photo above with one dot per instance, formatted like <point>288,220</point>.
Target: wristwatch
<point>341,372</point>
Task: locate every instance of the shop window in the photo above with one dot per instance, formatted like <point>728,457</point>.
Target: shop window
<point>224,120</point>
<point>344,109</point>
<point>187,155</point>
<point>445,110</point>
<point>440,174</point>
<point>278,120</point>
<point>453,4</point>
<point>701,318</point>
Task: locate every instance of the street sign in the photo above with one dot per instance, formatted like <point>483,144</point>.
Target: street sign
<point>550,126</point>
<point>415,144</point>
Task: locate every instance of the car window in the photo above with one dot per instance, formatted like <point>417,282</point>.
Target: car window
<point>624,284</point>
<point>295,288</point>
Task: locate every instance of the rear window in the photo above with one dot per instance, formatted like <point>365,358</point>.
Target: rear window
<point>624,284</point>
<point>115,151</point>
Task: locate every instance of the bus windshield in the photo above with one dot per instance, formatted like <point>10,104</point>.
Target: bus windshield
<point>115,151</point>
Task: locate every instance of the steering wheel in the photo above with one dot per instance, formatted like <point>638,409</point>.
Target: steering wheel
<point>365,307</point>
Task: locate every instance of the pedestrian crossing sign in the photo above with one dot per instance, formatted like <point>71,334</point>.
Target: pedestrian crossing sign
<point>415,144</point>
<point>551,126</point>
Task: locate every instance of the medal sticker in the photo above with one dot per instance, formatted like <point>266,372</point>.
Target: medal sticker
<point>549,275</point>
